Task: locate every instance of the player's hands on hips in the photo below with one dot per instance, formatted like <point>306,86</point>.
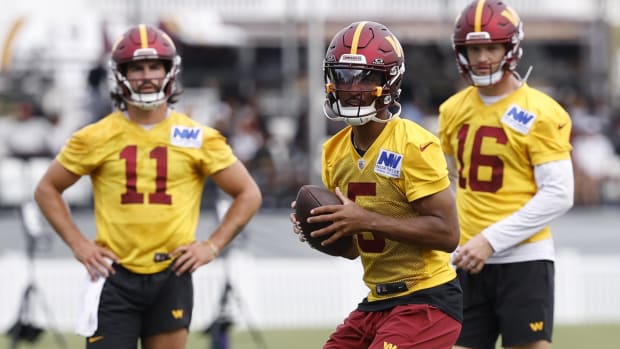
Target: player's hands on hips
<point>473,254</point>
<point>191,257</point>
<point>295,222</point>
<point>95,258</point>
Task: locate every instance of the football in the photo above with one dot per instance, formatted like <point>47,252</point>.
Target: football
<point>312,196</point>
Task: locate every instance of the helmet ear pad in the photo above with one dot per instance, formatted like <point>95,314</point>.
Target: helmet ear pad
<point>513,57</point>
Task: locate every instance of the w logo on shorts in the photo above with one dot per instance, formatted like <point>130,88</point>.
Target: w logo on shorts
<point>388,345</point>
<point>537,326</point>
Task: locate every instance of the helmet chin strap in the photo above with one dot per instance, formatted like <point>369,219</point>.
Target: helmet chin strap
<point>490,79</point>
<point>351,115</point>
<point>146,101</point>
<point>486,80</point>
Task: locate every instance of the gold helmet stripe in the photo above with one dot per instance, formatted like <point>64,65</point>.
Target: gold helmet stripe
<point>144,41</point>
<point>9,41</point>
<point>356,37</point>
<point>478,17</point>
<point>392,40</point>
<point>169,40</point>
<point>511,15</point>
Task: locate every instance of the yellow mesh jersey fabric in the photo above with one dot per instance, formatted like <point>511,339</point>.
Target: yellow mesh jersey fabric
<point>404,163</point>
<point>496,147</point>
<point>147,184</point>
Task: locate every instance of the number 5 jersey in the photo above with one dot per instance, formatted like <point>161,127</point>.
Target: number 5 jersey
<point>404,163</point>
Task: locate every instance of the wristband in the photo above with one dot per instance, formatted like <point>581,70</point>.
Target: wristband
<point>214,249</point>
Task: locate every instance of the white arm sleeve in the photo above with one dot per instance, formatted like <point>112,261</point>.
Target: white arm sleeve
<point>554,197</point>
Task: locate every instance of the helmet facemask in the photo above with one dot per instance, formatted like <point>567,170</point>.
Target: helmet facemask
<point>355,95</point>
<point>482,80</point>
<point>149,100</point>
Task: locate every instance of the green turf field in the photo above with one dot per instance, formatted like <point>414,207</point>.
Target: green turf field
<point>566,337</point>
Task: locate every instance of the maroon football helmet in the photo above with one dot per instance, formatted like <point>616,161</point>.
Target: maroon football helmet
<point>140,43</point>
<point>365,54</point>
<point>486,22</point>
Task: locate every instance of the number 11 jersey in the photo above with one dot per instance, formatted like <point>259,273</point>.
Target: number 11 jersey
<point>147,182</point>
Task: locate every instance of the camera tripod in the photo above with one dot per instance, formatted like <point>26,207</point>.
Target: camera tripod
<point>24,329</point>
<point>219,328</point>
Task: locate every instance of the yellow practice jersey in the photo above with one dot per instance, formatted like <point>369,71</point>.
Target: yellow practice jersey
<point>405,163</point>
<point>147,183</point>
<point>496,148</point>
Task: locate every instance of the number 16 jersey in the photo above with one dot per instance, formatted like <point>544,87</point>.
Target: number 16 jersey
<point>496,147</point>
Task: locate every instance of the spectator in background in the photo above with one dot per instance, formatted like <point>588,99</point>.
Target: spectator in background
<point>612,189</point>
<point>28,133</point>
<point>98,93</point>
<point>597,166</point>
<point>613,132</point>
<point>148,164</point>
<point>412,108</point>
<point>238,119</point>
<point>595,162</point>
<point>509,153</point>
<point>247,135</point>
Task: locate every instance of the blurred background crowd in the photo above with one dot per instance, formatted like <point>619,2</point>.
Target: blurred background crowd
<point>252,69</point>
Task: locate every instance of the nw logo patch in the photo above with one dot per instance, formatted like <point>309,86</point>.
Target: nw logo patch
<point>389,164</point>
<point>519,119</point>
<point>186,137</point>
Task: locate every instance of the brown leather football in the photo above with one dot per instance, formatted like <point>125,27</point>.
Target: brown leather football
<point>312,196</point>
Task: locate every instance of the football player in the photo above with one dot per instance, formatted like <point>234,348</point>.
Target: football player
<point>392,178</point>
<point>148,164</point>
<point>508,147</point>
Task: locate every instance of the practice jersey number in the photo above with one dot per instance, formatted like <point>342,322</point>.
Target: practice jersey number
<point>376,244</point>
<point>131,195</point>
<point>478,159</point>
